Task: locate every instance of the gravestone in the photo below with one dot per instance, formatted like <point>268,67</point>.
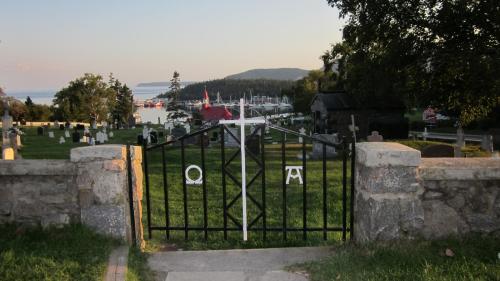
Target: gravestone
<point>229,141</point>
<point>62,140</point>
<point>438,150</point>
<point>66,134</point>
<point>51,134</point>
<point>253,144</point>
<point>86,131</point>
<point>76,136</point>
<point>178,132</point>
<point>302,131</point>
<point>56,124</point>
<point>6,125</point>
<point>317,152</point>
<point>39,131</point>
<point>375,137</point>
<point>111,134</point>
<point>188,128</point>
<point>140,140</point>
<point>94,125</point>
<point>153,136</point>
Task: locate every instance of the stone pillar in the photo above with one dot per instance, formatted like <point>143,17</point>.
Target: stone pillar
<point>388,194</point>
<point>103,191</point>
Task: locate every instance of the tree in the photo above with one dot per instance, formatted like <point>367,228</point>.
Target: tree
<point>87,98</point>
<point>124,106</point>
<point>37,112</point>
<point>444,53</point>
<point>173,103</point>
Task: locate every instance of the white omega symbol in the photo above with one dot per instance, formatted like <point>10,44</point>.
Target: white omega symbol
<point>198,181</point>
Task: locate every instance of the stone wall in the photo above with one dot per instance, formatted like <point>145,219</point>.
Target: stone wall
<point>91,188</point>
<point>401,196</point>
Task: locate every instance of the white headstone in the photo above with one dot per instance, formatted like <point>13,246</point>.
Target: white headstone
<point>303,132</point>
<point>67,134</point>
<point>70,126</point>
<point>83,139</point>
<point>51,134</point>
<point>86,131</point>
<point>62,140</point>
<point>145,132</point>
<point>188,128</point>
<point>111,134</point>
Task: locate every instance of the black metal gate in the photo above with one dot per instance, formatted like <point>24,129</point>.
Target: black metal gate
<point>294,184</point>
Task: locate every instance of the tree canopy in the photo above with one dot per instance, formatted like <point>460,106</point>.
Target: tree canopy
<point>90,98</point>
<point>443,53</point>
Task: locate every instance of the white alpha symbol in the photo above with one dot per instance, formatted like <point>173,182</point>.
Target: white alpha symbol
<point>198,181</point>
<point>295,175</point>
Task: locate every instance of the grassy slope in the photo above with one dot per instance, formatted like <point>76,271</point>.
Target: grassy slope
<point>70,253</point>
<point>475,259</point>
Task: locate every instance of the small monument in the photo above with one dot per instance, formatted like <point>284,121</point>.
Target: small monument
<point>375,137</point>
<point>302,131</point>
<point>66,134</point>
<point>111,134</point>
<point>51,134</point>
<point>62,140</point>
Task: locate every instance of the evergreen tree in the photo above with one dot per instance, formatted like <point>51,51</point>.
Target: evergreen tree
<point>174,92</point>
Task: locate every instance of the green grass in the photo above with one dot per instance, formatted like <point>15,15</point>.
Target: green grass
<point>476,258</point>
<point>137,266</point>
<point>71,253</point>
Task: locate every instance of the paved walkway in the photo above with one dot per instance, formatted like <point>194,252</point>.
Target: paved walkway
<point>234,265</point>
<point>117,264</point>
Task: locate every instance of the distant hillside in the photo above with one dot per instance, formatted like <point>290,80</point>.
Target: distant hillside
<point>272,74</point>
<point>163,84</point>
<point>234,88</point>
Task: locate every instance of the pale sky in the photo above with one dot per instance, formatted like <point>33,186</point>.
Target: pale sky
<point>46,44</point>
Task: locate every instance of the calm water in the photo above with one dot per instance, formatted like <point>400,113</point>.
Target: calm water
<point>140,93</point>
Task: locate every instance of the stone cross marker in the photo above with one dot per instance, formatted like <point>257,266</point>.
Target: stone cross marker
<point>242,123</point>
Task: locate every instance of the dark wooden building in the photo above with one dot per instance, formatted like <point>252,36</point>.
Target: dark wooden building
<point>332,112</point>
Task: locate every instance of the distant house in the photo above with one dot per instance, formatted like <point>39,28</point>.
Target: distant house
<point>332,112</point>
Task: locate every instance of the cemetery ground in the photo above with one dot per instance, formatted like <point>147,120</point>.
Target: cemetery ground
<point>474,259</point>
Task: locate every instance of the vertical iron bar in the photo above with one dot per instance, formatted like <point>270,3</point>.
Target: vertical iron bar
<point>146,176</point>
<point>184,191</point>
<point>283,168</point>
<point>165,191</point>
<point>224,196</point>
<point>205,215</point>
<point>325,225</point>
<point>304,192</point>
<point>131,195</point>
<point>263,160</point>
<point>344,189</point>
<point>353,174</point>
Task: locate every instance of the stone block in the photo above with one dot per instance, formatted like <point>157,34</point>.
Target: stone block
<point>5,208</point>
<point>55,220</point>
<point>382,218</point>
<point>100,152</point>
<point>107,219</point>
<point>394,179</point>
<point>442,221</point>
<point>114,165</point>
<point>380,154</point>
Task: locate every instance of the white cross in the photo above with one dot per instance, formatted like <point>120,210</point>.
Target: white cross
<point>242,122</point>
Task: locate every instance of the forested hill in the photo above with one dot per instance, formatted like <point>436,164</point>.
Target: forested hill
<point>234,88</point>
<point>271,73</point>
